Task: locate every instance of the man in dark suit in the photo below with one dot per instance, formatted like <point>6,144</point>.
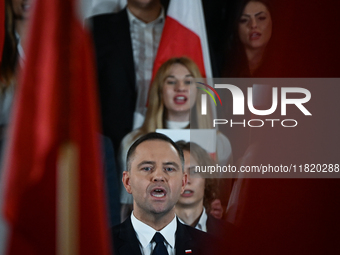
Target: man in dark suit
<point>156,179</point>
<point>125,44</point>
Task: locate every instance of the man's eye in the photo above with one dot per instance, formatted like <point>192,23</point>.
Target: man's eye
<point>147,168</point>
<point>262,18</point>
<point>169,169</point>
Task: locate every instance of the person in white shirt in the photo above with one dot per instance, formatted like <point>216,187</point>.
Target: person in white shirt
<point>155,178</point>
<point>126,44</point>
<point>145,28</point>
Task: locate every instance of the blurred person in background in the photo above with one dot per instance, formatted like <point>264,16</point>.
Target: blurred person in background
<point>16,18</point>
<point>249,53</point>
<point>126,44</point>
<point>250,36</point>
<point>21,10</point>
<point>195,203</point>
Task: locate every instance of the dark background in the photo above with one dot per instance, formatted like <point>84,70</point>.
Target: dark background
<point>294,216</point>
<point>291,216</point>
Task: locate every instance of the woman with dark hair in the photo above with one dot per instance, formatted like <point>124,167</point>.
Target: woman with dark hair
<point>17,13</point>
<point>10,52</point>
<point>249,53</point>
<point>247,44</point>
<point>8,66</point>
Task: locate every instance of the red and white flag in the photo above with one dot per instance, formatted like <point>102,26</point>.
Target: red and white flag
<point>52,185</point>
<point>184,34</point>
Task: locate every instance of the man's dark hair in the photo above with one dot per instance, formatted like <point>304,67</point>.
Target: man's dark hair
<point>150,137</point>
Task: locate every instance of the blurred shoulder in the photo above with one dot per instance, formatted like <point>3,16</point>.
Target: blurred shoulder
<point>109,17</point>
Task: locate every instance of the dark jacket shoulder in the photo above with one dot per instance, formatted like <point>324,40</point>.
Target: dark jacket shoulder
<point>104,18</point>
<point>196,241</point>
<point>125,241</point>
<point>221,230</point>
<point>218,227</point>
<point>109,26</point>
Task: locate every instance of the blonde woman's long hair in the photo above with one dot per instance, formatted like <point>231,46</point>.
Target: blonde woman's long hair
<point>156,112</point>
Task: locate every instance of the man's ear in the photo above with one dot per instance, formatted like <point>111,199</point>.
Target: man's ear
<point>184,182</point>
<point>126,181</point>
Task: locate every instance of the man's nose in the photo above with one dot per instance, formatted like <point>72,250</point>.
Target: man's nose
<point>158,175</point>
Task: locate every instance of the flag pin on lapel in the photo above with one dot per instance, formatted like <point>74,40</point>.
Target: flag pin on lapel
<point>188,251</point>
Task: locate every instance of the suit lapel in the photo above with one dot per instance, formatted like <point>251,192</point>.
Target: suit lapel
<point>212,224</point>
<point>128,242</point>
<point>183,239</point>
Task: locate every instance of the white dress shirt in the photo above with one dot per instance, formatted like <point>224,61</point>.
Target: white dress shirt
<point>202,222</point>
<point>145,39</point>
<point>145,234</point>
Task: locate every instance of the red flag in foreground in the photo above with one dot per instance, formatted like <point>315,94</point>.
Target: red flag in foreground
<point>184,34</point>
<point>53,199</point>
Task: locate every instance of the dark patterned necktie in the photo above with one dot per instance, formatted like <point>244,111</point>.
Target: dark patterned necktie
<point>160,248</point>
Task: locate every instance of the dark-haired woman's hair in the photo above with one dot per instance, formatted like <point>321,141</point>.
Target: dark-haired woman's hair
<point>10,53</point>
<point>236,64</point>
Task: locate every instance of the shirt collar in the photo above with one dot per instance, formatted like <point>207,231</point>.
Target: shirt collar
<point>202,222</point>
<point>145,233</point>
<point>132,18</point>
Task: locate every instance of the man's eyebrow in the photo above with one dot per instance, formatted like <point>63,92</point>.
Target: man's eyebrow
<point>146,162</point>
<point>171,163</point>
